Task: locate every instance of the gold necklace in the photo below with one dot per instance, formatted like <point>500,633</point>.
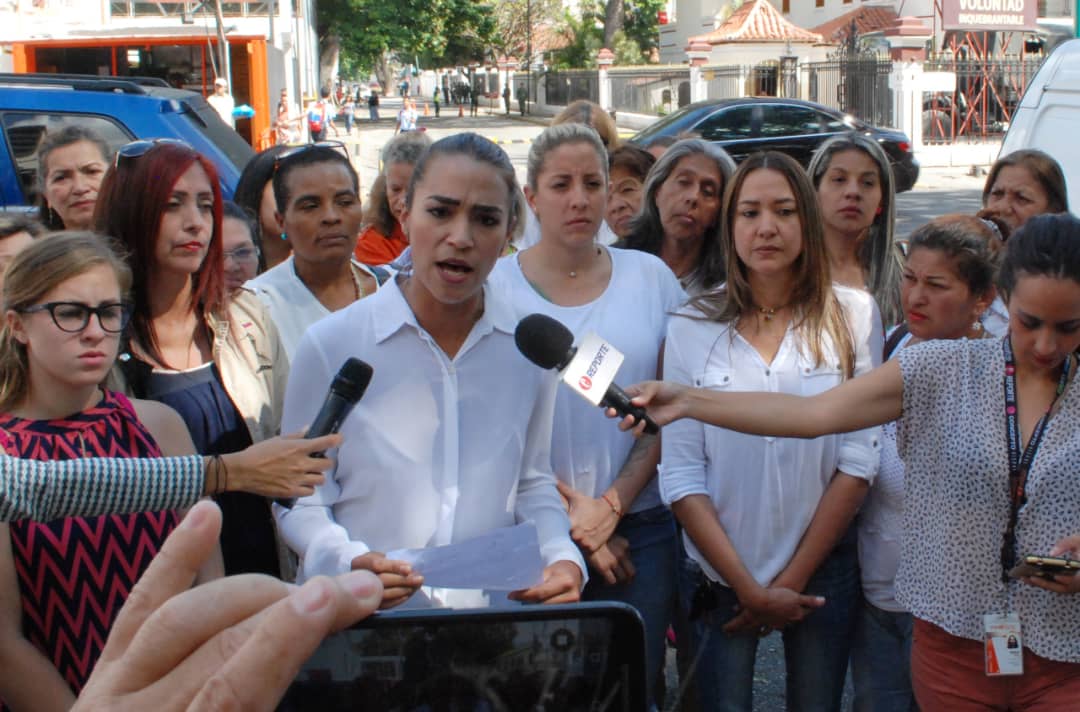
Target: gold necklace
<point>767,313</point>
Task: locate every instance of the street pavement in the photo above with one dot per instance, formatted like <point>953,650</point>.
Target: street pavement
<point>940,190</point>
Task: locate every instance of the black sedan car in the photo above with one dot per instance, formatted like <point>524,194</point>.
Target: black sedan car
<point>792,126</point>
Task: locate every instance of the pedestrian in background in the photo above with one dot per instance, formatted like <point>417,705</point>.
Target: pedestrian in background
<point>373,105</point>
<point>506,98</point>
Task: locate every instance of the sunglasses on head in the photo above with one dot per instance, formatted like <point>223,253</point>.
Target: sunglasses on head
<point>294,151</point>
<point>138,148</point>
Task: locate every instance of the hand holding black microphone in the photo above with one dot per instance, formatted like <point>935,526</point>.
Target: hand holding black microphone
<point>346,390</point>
<point>549,344</point>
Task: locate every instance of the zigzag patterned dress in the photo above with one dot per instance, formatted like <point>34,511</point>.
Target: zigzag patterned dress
<point>75,573</point>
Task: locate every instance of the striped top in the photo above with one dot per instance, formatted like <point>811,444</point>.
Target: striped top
<point>43,491</point>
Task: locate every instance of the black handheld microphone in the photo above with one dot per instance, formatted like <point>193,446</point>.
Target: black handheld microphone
<point>549,344</point>
<point>346,390</point>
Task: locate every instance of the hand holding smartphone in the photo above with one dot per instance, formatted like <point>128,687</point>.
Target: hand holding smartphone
<point>1046,567</point>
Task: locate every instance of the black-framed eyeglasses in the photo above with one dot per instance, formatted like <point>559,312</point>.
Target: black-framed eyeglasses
<point>294,151</point>
<point>242,254</point>
<point>73,317</point>
<point>139,148</point>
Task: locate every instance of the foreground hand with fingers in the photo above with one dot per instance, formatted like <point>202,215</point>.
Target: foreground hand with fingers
<point>234,643</point>
<point>665,401</point>
<point>397,577</point>
<point>561,584</point>
<point>279,467</point>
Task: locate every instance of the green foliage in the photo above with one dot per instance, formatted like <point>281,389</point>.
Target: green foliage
<point>642,24</point>
<point>587,33</point>
<point>440,30</point>
<point>627,51</point>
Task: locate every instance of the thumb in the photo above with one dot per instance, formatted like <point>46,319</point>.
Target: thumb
<point>1068,545</point>
<point>812,601</point>
<point>567,491</point>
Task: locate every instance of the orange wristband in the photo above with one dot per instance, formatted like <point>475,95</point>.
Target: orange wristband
<point>614,507</point>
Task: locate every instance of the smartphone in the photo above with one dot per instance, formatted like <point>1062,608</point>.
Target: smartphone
<point>562,658</point>
<point>1045,567</point>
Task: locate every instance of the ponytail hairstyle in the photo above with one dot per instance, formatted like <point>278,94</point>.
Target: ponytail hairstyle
<point>36,271</point>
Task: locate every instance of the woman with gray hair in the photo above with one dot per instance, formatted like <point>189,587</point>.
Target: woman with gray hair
<point>854,183</point>
<point>71,164</point>
<point>608,481</point>
<point>382,238</point>
<point>680,214</point>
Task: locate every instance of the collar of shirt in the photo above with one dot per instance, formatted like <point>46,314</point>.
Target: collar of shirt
<point>395,313</point>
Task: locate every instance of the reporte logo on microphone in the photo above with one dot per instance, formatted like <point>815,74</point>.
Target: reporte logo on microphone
<point>593,368</point>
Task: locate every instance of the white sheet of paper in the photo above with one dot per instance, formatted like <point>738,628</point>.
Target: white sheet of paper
<point>506,559</point>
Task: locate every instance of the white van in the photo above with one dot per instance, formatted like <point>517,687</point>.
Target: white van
<point>1048,117</point>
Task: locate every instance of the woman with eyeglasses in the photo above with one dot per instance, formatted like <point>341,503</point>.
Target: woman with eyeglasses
<point>241,256</point>
<point>316,193</point>
<point>212,355</point>
<point>63,582</point>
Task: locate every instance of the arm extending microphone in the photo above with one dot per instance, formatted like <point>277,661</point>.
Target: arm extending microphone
<point>549,344</point>
<point>346,390</point>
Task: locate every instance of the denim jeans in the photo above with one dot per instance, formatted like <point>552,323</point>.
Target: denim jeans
<point>881,660</point>
<point>815,649</point>
<point>651,534</point>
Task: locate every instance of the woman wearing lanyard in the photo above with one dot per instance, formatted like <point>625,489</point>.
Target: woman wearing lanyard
<point>987,431</point>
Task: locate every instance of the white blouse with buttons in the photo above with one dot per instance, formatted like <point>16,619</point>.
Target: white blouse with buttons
<point>765,490</point>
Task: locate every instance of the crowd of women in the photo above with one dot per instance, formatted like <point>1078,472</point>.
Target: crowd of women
<point>783,315</point>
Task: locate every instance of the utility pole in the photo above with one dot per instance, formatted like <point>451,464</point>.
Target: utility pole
<point>223,46</point>
<point>270,6</point>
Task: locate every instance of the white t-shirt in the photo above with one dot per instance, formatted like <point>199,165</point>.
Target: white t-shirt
<point>439,450</point>
<point>632,315</point>
<point>407,120</point>
<point>765,490</point>
<point>290,303</point>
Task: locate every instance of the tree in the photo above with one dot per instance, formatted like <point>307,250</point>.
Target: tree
<point>514,19</point>
<point>367,31</point>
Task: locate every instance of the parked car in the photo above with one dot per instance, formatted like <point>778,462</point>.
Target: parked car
<point>120,109</point>
<point>792,126</point>
<point>1049,114</point>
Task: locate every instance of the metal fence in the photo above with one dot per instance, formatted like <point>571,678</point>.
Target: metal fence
<point>857,85</point>
<point>564,87</point>
<point>987,93</point>
<point>725,82</point>
<point>649,91</point>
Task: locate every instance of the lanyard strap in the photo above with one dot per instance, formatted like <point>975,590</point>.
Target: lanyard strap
<point>1020,462</point>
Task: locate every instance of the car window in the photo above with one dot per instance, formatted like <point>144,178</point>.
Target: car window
<point>732,123</point>
<point>23,131</point>
<point>831,124</point>
<point>787,120</point>
<point>235,148</point>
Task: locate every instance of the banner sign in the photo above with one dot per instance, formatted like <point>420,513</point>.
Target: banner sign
<point>990,15</point>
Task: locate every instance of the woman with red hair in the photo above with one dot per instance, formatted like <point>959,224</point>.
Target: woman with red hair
<point>213,357</point>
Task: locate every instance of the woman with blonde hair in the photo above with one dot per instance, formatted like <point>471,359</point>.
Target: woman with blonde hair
<point>63,582</point>
<point>767,522</point>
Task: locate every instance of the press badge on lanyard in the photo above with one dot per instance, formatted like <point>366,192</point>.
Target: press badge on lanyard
<point>1004,646</point>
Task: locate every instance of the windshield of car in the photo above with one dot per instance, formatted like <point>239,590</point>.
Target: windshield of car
<point>682,120</point>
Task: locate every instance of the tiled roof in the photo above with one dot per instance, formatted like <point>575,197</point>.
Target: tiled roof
<point>757,21</point>
<point>872,18</point>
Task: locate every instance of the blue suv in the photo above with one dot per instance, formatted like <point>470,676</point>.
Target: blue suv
<point>119,109</point>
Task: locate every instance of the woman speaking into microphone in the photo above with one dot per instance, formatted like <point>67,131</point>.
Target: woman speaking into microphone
<point>452,438</point>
